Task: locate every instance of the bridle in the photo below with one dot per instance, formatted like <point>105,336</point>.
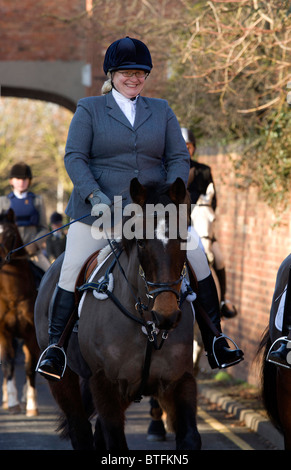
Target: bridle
<point>161,287</point>
<point>5,258</point>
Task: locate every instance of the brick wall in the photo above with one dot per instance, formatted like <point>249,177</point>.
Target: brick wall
<point>253,249</point>
<point>33,30</point>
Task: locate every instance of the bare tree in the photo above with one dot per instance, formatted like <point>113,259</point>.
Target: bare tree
<point>224,67</point>
<point>230,84</point>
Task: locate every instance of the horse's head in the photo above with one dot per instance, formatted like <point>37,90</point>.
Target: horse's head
<point>159,240</point>
<point>9,234</point>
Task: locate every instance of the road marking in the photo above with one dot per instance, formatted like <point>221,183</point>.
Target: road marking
<point>223,430</point>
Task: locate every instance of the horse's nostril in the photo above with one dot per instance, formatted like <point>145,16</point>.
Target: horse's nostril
<point>166,322</point>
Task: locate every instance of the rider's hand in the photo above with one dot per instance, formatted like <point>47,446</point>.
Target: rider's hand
<point>100,203</point>
<point>31,249</point>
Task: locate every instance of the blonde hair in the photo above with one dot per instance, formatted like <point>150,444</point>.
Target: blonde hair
<point>107,86</point>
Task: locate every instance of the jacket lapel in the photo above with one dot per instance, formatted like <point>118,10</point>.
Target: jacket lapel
<point>142,112</point>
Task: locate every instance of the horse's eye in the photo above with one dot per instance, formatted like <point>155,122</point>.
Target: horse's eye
<point>140,243</point>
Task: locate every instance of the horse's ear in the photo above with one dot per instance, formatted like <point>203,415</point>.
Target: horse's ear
<point>10,215</point>
<point>177,191</point>
<point>138,192</point>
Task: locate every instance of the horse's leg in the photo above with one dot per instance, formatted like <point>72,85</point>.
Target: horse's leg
<point>99,440</point>
<point>156,430</point>
<point>180,404</point>
<point>4,394</point>
<point>30,350</point>
<point>8,347</point>
<point>283,403</point>
<point>111,414</point>
<point>75,426</point>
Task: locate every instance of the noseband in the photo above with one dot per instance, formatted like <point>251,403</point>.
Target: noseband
<point>162,287</point>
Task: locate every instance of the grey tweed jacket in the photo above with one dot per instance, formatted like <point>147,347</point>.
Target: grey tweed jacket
<point>105,151</point>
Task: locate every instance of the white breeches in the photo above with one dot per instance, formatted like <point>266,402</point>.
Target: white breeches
<point>41,261</point>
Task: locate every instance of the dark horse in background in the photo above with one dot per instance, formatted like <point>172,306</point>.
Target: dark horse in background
<point>276,380</point>
<point>17,298</point>
<point>137,342</point>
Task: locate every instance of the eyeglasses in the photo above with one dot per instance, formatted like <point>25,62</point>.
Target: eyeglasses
<point>129,73</point>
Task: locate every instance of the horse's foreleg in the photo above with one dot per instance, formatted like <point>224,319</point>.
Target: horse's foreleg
<point>4,394</point>
<point>10,394</point>
<point>180,404</point>
<point>156,430</point>
<point>111,414</point>
<point>13,403</point>
<point>76,426</point>
<point>283,403</point>
<point>30,388</point>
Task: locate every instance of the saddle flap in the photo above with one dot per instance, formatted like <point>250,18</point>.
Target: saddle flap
<point>85,273</point>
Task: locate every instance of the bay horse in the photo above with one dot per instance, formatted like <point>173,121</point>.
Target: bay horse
<point>17,298</point>
<point>276,380</point>
<point>136,342</point>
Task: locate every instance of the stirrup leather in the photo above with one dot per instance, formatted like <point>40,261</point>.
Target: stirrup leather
<point>282,339</point>
<point>37,369</point>
<point>229,364</point>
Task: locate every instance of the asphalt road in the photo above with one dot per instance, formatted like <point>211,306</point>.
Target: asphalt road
<point>218,430</point>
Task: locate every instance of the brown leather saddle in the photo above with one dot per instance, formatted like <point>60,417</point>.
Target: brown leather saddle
<point>85,273</point>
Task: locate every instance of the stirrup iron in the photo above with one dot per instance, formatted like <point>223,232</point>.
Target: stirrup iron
<point>37,369</point>
<point>282,339</point>
<point>229,364</point>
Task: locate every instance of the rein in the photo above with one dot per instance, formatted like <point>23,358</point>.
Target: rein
<point>43,236</point>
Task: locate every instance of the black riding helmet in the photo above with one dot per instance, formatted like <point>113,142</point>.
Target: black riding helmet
<point>127,53</point>
<point>21,171</point>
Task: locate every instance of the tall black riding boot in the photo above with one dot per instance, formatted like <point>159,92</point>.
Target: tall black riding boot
<point>281,356</point>
<point>219,354</point>
<point>225,310</point>
<point>53,364</point>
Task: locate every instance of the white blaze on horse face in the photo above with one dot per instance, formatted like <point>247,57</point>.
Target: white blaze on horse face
<point>1,229</point>
<point>161,231</point>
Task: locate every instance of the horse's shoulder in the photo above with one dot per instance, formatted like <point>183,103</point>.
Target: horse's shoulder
<point>52,274</point>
